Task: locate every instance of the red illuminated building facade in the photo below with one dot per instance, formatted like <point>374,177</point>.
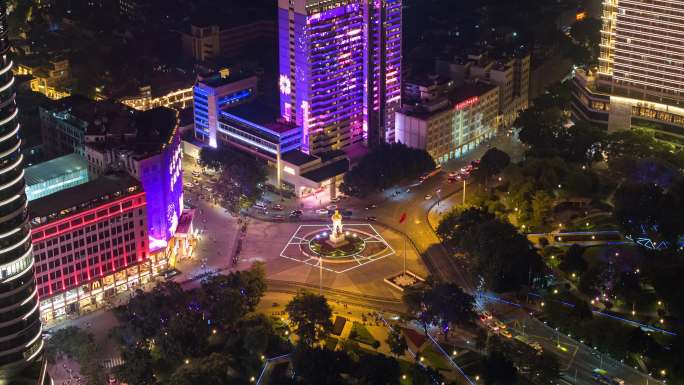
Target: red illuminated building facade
<point>90,242</point>
<point>450,127</point>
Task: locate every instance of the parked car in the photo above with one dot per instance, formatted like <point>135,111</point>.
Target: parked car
<point>428,197</point>
<point>279,218</point>
<point>277,207</point>
<point>296,213</point>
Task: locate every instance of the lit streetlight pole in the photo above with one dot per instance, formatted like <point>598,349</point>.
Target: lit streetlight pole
<point>464,191</point>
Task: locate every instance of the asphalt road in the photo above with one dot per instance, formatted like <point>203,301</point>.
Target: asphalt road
<point>577,360</point>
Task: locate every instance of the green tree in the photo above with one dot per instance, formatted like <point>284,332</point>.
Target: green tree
<point>310,314</point>
<point>456,223</point>
<point>444,304</point>
<point>185,336</point>
<point>640,145</point>
<point>138,368</point>
<point>241,176</point>
<point>320,366</point>
<point>492,162</point>
<point>71,341</point>
<point>384,166</point>
<point>229,297</point>
<point>377,369</point>
<point>502,256</point>
<point>499,370</point>
<point>587,32</point>
<point>573,260</point>
<point>544,128</point>
<point>211,370</point>
<point>80,346</point>
<point>542,204</point>
<point>397,342</point>
<point>581,312</point>
<point>645,208</point>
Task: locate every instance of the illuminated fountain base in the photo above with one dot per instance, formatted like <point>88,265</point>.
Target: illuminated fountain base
<point>336,249</point>
<point>358,245</point>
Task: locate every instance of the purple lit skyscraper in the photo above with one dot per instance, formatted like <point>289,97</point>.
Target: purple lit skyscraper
<point>340,70</point>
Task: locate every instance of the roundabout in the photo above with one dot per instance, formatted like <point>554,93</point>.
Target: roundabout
<point>335,247</point>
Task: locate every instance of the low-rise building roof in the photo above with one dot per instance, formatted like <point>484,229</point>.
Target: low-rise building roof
<point>328,171</point>
<point>46,171</point>
<point>88,195</point>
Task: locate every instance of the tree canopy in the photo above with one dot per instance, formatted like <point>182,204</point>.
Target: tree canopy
<point>212,328</point>
<point>310,314</point>
<point>499,370</point>
<point>241,176</point>
<point>384,166</point>
<point>492,162</point>
<point>440,303</point>
<point>502,256</point>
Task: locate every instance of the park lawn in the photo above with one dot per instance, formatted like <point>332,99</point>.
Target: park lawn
<point>435,359</point>
<point>361,334</point>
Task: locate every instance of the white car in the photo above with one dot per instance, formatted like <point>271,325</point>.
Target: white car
<point>331,207</point>
<point>322,212</point>
<point>428,197</point>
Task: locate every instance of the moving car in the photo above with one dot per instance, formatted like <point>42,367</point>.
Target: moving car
<point>371,218</point>
<point>486,316</point>
<point>428,197</point>
<point>296,213</point>
<point>277,207</point>
<point>371,206</point>
<point>322,211</point>
<point>279,218</point>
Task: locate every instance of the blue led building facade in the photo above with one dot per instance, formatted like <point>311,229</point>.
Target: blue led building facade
<point>161,176</point>
<point>215,93</point>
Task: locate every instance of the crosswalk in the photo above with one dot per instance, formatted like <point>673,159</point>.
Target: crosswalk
<point>112,362</point>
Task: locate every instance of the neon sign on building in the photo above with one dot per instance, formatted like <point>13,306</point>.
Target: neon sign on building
<point>467,103</point>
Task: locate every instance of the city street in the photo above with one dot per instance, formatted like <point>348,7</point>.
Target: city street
<point>362,287</point>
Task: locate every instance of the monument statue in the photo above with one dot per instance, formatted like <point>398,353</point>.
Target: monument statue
<point>336,235</point>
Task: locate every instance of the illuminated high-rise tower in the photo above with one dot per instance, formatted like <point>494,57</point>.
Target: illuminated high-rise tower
<point>340,70</point>
<point>642,54</point>
<point>639,83</point>
<point>21,344</point>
